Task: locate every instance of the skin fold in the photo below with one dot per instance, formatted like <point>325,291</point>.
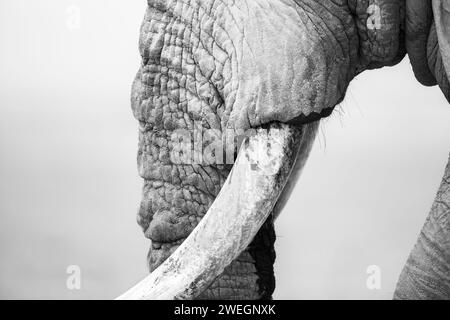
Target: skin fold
<point>214,69</point>
<point>439,50</point>
<point>418,23</point>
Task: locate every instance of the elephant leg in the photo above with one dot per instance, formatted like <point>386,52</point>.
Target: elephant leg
<point>426,274</point>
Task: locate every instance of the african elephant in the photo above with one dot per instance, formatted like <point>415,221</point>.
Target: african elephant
<point>215,73</point>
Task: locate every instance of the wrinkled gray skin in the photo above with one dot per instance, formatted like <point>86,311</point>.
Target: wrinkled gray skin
<point>426,274</point>
<point>241,64</point>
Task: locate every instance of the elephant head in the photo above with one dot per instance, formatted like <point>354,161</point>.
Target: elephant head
<point>216,72</point>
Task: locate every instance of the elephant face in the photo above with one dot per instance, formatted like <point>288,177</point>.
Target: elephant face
<point>213,71</point>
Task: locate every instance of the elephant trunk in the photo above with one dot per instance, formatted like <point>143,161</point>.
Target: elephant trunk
<point>426,274</point>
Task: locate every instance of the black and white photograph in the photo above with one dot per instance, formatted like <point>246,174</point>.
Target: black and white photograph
<point>258,150</point>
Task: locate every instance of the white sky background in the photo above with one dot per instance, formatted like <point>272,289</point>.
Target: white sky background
<point>69,188</point>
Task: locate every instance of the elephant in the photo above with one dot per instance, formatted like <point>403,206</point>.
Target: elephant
<point>228,97</point>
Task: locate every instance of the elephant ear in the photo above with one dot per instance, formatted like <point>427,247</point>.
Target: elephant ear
<point>381,32</point>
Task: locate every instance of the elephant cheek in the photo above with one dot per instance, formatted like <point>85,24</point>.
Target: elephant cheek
<point>292,68</point>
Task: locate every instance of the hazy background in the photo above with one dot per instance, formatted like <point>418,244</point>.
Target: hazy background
<point>69,188</point>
